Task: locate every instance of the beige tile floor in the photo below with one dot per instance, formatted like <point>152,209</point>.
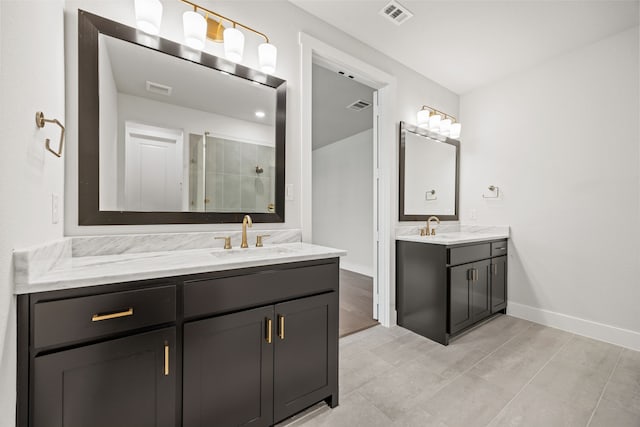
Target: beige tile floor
<point>508,372</point>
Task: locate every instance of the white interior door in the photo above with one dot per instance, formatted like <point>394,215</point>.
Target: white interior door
<point>153,168</point>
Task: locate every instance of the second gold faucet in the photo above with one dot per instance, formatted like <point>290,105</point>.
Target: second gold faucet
<point>246,221</point>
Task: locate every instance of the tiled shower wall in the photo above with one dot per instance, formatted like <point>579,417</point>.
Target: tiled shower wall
<point>223,177</point>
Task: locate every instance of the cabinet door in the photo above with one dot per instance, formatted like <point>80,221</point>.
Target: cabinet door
<point>481,291</point>
<point>460,283</point>
<point>498,284</point>
<point>123,382</point>
<point>228,370</point>
<point>305,360</point>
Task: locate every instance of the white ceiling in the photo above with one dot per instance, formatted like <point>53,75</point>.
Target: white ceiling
<point>463,45</point>
<point>332,120</point>
<point>193,85</point>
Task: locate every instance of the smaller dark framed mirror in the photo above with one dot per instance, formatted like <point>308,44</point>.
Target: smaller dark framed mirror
<point>171,135</point>
<point>429,175</point>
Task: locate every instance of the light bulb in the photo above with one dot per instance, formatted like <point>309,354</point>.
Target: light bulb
<point>195,29</point>
<point>445,126</point>
<point>434,122</point>
<point>422,118</point>
<point>267,56</point>
<point>455,130</point>
<point>233,44</point>
<point>148,16</point>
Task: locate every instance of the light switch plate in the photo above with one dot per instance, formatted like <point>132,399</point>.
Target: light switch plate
<point>55,208</point>
<point>288,193</point>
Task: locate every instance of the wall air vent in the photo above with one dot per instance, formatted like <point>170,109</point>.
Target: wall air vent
<point>396,12</point>
<point>158,88</point>
<point>359,105</point>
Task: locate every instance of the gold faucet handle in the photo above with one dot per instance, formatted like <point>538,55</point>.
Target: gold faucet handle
<point>433,231</point>
<point>259,239</point>
<point>227,241</point>
<point>423,231</point>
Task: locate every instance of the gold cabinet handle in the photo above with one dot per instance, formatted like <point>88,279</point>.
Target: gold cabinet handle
<point>470,274</point>
<point>166,359</point>
<point>281,327</point>
<point>269,326</point>
<point>495,269</point>
<point>108,316</point>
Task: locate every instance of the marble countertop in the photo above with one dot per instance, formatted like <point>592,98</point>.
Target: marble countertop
<point>103,269</point>
<point>453,236</point>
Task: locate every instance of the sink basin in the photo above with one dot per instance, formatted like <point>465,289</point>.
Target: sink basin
<point>252,252</point>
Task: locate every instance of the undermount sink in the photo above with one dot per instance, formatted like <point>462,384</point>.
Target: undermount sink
<point>252,252</point>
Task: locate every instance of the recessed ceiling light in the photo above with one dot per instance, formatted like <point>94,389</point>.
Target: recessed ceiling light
<point>260,114</point>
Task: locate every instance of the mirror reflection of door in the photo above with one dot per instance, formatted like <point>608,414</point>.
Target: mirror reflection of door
<point>153,168</point>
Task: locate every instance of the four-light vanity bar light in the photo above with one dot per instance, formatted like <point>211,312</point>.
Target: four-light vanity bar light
<point>436,121</point>
<point>200,24</point>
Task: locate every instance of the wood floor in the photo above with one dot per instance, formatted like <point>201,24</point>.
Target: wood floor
<point>356,302</point>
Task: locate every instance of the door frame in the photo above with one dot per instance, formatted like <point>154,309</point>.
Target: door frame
<point>384,162</point>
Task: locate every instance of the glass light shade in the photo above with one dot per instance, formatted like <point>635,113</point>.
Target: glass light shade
<point>434,122</point>
<point>233,44</point>
<point>422,118</point>
<point>455,130</point>
<point>267,56</point>
<point>195,29</point>
<point>445,126</point>
<point>148,16</point>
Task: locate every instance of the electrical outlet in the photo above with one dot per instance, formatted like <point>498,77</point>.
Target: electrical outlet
<point>288,194</point>
<point>55,208</point>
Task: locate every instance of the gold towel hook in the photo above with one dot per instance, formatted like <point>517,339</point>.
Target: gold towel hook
<point>40,122</point>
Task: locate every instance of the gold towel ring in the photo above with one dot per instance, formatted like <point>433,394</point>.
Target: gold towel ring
<point>40,122</point>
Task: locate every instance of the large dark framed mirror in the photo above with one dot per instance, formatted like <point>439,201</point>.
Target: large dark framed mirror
<point>170,135</point>
<point>429,175</point>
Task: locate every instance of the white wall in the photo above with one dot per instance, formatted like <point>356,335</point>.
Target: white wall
<point>343,199</point>
<point>282,21</point>
<point>562,143</point>
<point>31,79</point>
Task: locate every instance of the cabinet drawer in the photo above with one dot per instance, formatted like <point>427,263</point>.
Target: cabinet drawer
<point>77,319</point>
<point>212,296</point>
<point>466,254</point>
<point>499,248</point>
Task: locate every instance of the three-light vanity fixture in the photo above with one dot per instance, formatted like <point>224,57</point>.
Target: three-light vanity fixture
<point>436,121</point>
<point>200,24</point>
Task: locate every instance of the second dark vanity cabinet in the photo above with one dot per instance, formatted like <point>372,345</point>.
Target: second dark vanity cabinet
<point>443,290</point>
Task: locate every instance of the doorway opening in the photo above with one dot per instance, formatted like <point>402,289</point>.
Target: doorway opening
<point>343,118</point>
<point>384,161</point>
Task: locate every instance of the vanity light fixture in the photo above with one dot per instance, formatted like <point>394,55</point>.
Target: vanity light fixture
<point>148,16</point>
<point>438,122</point>
<point>197,28</point>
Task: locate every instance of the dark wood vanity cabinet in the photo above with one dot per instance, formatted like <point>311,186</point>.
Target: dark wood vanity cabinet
<point>443,290</point>
<point>247,347</point>
<point>121,382</point>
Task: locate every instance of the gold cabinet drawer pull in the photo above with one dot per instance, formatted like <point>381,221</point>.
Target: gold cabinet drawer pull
<point>99,317</point>
<point>268,331</point>
<point>166,360</point>
<point>281,327</point>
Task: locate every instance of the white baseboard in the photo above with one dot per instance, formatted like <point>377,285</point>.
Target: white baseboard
<point>356,268</point>
<point>599,331</point>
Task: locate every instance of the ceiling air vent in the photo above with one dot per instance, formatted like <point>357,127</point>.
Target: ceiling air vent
<point>395,12</point>
<point>359,105</point>
<point>158,88</point>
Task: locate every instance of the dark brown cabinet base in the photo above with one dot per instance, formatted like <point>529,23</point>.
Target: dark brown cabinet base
<point>443,290</point>
<point>244,347</point>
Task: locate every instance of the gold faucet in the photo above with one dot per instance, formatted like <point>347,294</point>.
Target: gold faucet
<point>430,230</point>
<point>245,221</point>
